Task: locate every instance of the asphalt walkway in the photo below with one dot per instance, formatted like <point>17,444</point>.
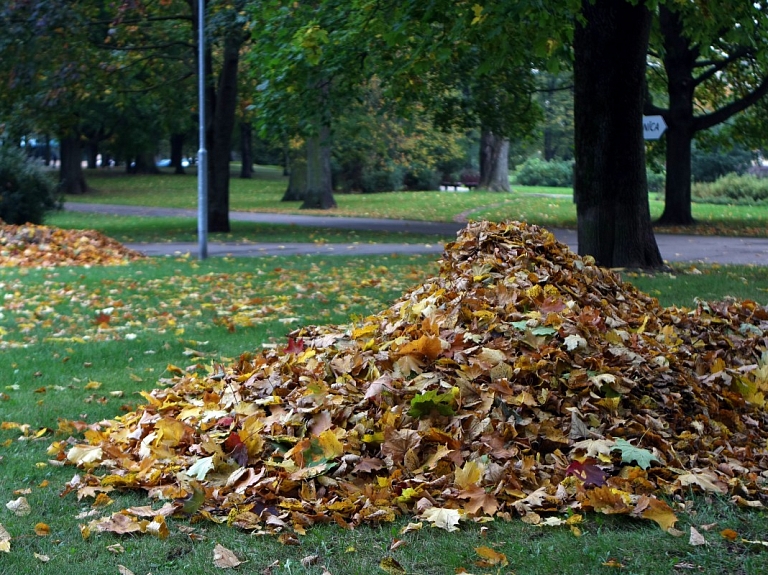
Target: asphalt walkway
<point>674,248</point>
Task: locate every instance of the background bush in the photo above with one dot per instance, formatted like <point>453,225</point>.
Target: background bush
<point>707,165</point>
<point>386,179</point>
<point>656,181</point>
<point>538,172</point>
<point>732,189</point>
<point>26,191</point>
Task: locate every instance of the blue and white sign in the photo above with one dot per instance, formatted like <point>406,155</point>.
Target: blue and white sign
<point>653,127</point>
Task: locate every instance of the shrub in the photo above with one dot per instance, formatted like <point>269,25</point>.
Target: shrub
<point>422,179</point>
<point>538,172</point>
<point>732,189</point>
<point>709,165</point>
<point>26,191</point>
<point>387,179</point>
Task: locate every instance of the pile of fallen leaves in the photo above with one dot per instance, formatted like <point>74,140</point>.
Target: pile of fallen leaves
<point>30,245</point>
<point>522,379</point>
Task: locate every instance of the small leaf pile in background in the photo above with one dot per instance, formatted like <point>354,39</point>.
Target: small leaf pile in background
<point>31,245</point>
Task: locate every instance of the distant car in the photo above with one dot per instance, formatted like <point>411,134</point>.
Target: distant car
<point>167,162</point>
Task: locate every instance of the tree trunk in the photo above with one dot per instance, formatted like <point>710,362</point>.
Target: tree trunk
<point>610,187</point>
<point>177,153</point>
<point>93,153</point>
<point>47,150</point>
<point>145,164</point>
<point>222,125</point>
<point>246,150</point>
<point>319,193</point>
<point>679,62</point>
<point>71,176</point>
<point>494,162</point>
<point>297,176</point>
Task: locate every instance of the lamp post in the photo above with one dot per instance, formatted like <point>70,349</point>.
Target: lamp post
<point>202,153</point>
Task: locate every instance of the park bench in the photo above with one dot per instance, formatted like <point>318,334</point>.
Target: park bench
<point>467,179</point>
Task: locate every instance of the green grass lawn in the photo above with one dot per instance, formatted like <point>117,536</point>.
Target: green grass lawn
<point>81,343</point>
<point>532,204</point>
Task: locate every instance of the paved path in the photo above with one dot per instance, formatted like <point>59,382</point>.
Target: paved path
<point>674,248</point>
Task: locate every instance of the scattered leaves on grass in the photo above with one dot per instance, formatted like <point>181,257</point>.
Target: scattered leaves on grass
<point>65,309</point>
<point>31,245</point>
<point>466,388</point>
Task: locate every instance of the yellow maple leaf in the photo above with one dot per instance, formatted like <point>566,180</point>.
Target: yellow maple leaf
<point>469,475</point>
<point>443,518</point>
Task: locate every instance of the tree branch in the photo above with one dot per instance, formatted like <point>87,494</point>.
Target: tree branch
<point>718,65</point>
<point>721,115</point>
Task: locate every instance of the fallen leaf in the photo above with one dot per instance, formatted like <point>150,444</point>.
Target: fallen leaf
<point>123,570</point>
<point>696,538</point>
<point>223,558</point>
<point>42,529</point>
<point>392,567</point>
<point>5,540</point>
<point>587,471</point>
<point>41,558</point>
<point>490,557</point>
<point>447,519</point>
<point>411,527</point>
<point>19,507</point>
<point>729,534</point>
<point>655,510</point>
<point>116,548</point>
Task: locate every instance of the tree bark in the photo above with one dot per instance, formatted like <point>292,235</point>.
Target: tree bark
<point>246,150</point>
<point>297,176</point>
<point>610,187</point>
<point>71,176</point>
<point>679,62</point>
<point>177,153</point>
<point>494,162</point>
<point>221,127</point>
<point>145,164</point>
<point>319,193</point>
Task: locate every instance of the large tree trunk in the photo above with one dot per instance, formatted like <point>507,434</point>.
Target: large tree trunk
<point>679,62</point>
<point>297,176</point>
<point>246,150</point>
<point>221,128</point>
<point>610,187</point>
<point>494,162</point>
<point>71,178</point>
<point>177,153</point>
<point>319,194</point>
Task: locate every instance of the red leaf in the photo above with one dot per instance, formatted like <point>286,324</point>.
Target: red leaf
<point>587,471</point>
<point>236,449</point>
<point>102,319</point>
<point>225,421</point>
<point>232,441</point>
<point>294,346</point>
